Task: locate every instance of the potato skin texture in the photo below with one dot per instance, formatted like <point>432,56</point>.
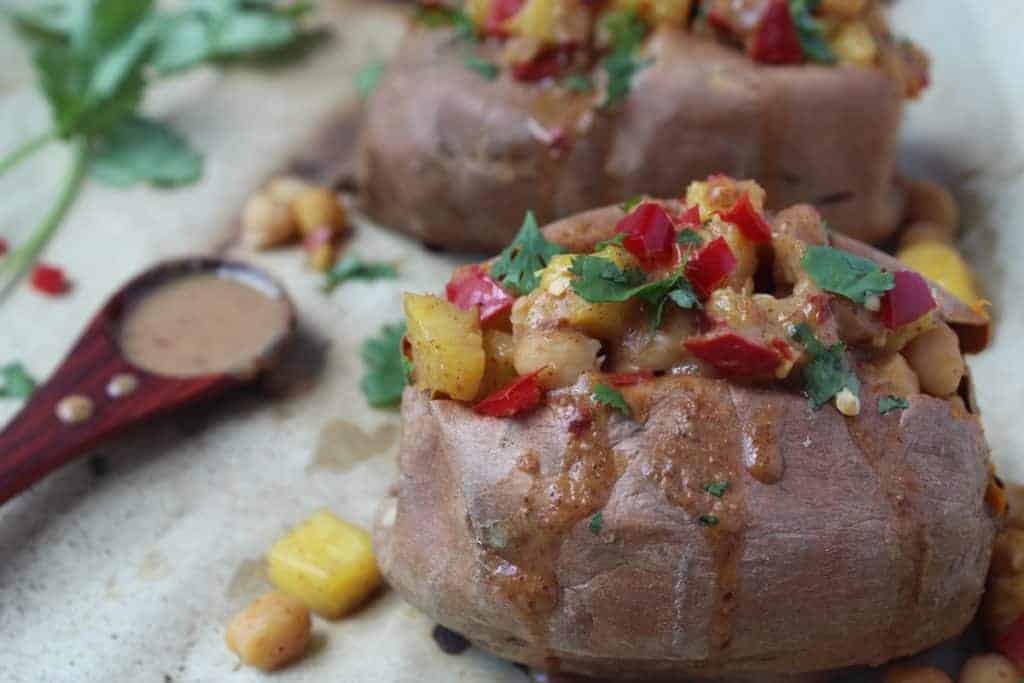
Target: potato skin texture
<point>875,544</point>
<point>448,156</point>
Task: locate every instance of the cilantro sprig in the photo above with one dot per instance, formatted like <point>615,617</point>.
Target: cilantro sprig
<point>387,370</point>
<point>828,372</point>
<point>517,265</point>
<point>368,77</point>
<point>595,523</point>
<point>811,33</point>
<point>15,382</point>
<point>717,488</point>
<point>95,59</point>
<point>600,280</point>
<point>611,397</point>
<point>488,70</point>
<point>352,267</point>
<point>626,30</point>
<point>889,403</point>
<point>843,273</point>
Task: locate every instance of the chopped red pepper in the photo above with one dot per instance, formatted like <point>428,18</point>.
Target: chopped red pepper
<point>515,398</point>
<point>628,379</point>
<point>472,286</point>
<point>3,246</point>
<point>650,234</point>
<point>49,280</point>
<point>1011,642</point>
<point>733,354</point>
<point>501,11</point>
<point>776,40</point>
<point>751,223</point>
<point>546,64</point>
<point>709,267</point>
<point>689,218</point>
<point>908,300</point>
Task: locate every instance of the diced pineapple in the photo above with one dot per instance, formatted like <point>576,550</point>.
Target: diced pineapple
<point>719,193</point>
<point>478,10</point>
<point>326,563</point>
<point>600,320</point>
<point>535,20</point>
<point>657,11</point>
<point>447,346</point>
<point>942,263</point>
<point>499,348</point>
<point>854,44</point>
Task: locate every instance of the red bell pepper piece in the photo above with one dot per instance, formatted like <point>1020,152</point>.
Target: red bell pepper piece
<point>628,379</point>
<point>689,218</point>
<point>49,280</point>
<point>709,267</point>
<point>776,40</point>
<point>3,246</point>
<point>908,300</point>
<point>515,398</point>
<point>751,223</point>
<point>733,354</point>
<point>501,11</point>
<point>473,287</point>
<point>650,233</point>
<point>547,64</point>
<point>1011,642</point>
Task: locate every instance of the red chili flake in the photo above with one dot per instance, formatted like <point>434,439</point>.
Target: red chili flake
<point>751,223</point>
<point>628,379</point>
<point>709,267</point>
<point>776,40</point>
<point>689,218</point>
<point>472,286</point>
<point>517,397</point>
<point>733,354</point>
<point>650,234</point>
<point>908,300</point>
<point>501,10</point>
<point>49,280</point>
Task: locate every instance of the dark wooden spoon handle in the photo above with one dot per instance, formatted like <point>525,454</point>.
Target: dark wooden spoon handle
<point>36,441</point>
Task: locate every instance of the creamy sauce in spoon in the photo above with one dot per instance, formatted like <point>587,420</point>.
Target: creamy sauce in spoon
<point>202,324</point>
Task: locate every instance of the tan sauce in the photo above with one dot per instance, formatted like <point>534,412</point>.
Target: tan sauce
<point>202,324</point>
<point>74,409</point>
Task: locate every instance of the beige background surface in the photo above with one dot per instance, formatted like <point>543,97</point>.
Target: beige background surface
<point>130,576</point>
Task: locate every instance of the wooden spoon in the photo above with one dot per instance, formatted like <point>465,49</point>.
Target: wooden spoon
<point>37,441</point>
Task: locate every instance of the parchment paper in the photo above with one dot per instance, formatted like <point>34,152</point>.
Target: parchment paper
<point>126,567</point>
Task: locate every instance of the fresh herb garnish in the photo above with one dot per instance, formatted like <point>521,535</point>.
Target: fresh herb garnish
<point>95,60</point>
<point>354,268</point>
<point>600,280</point>
<point>577,83</point>
<point>488,70</point>
<point>596,522</point>
<point>828,371</point>
<point>387,369</point>
<point>611,397</point>
<point>843,273</point>
<point>517,265</point>
<point>717,488</point>
<point>15,382</point>
<point>631,203</point>
<point>626,30</point>
<point>887,404</point>
<point>613,242</point>
<point>689,237</point>
<point>435,16</point>
<point>708,520</point>
<point>368,76</point>
<point>813,42</point>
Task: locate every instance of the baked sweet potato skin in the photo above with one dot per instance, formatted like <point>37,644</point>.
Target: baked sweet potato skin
<point>453,159</point>
<point>840,541</point>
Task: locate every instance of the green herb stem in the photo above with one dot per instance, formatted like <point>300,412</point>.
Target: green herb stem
<point>25,150</point>
<point>21,260</point>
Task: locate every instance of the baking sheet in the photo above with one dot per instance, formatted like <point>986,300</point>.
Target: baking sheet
<point>126,567</point>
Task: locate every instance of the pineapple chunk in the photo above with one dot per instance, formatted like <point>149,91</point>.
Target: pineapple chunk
<point>500,369</point>
<point>535,20</point>
<point>326,563</point>
<point>600,320</point>
<point>447,346</point>
<point>854,44</point>
<point>478,10</point>
<point>719,193</point>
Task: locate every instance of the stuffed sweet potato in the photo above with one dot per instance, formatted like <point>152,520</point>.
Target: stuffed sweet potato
<point>562,105</point>
<point>700,443</point>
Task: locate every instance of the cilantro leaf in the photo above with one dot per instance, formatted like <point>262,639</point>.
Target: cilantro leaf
<point>717,488</point>
<point>611,397</point>
<point>828,371</point>
<point>708,520</point>
<point>631,203</point>
<point>689,237</point>
<point>600,280</point>
<point>435,16</point>
<point>15,382</point>
<point>843,273</point>
<point>684,296</point>
<point>354,268</point>
<point>489,70</point>
<point>813,42</point>
<point>184,41</point>
<point>143,150</point>
<point>615,241</point>
<point>368,77</point>
<point>386,368</point>
<point>596,522</point>
<point>577,83</point>
<point>887,404</point>
<point>517,265</point>
<point>626,30</point>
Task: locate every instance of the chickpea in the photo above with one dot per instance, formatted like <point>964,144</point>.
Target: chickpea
<point>266,223</point>
<point>271,632</point>
<point>990,668</point>
<point>927,231</point>
<point>285,189</point>
<point>566,353</point>
<point>935,357</point>
<point>317,207</point>
<point>915,674</point>
<point>893,368</point>
<point>931,202</point>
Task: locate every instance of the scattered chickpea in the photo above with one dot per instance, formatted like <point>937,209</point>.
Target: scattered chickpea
<point>286,188</point>
<point>915,674</point>
<point>266,223</point>
<point>930,202</point>
<point>990,668</point>
<point>935,357</point>
<point>271,632</point>
<point>317,207</point>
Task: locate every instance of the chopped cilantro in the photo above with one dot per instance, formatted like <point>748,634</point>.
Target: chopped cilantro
<point>368,76</point>
<point>516,267</point>
<point>813,42</point>
<point>387,369</point>
<point>611,397</point>
<point>596,522</point>
<point>887,404</point>
<point>631,203</point>
<point>488,70</point>
<point>599,280</point>
<point>354,268</point>
<point>626,30</point>
<point>717,488</point>
<point>577,83</point>
<point>436,16</point>
<point>689,237</point>
<point>708,520</point>
<point>828,371</point>
<point>16,382</point>
<point>613,242</point>
<point>843,273</point>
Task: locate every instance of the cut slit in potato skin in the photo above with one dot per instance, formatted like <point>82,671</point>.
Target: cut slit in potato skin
<point>873,544</point>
